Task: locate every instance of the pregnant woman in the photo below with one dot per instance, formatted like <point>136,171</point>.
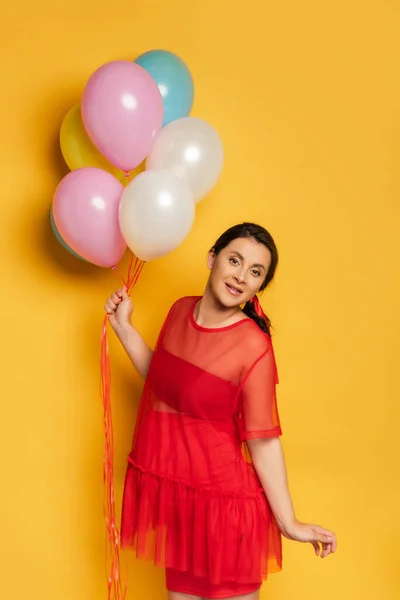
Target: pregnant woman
<point>206,493</point>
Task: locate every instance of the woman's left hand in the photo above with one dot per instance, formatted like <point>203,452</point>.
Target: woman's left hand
<point>314,534</point>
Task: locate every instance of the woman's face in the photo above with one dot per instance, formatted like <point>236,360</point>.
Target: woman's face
<point>238,271</point>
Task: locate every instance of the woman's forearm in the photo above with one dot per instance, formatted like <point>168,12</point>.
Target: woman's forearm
<point>269,463</point>
<point>136,348</point>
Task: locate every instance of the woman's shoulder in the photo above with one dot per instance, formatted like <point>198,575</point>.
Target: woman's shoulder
<point>252,338</point>
<point>184,302</point>
<point>183,305</point>
<point>177,314</point>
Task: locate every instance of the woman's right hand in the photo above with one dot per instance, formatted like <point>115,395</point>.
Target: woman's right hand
<point>119,307</point>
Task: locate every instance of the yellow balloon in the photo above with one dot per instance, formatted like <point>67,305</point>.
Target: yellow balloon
<point>77,148</point>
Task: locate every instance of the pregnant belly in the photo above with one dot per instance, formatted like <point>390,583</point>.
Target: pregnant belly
<point>193,451</point>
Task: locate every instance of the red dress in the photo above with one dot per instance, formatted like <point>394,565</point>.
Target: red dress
<point>192,502</point>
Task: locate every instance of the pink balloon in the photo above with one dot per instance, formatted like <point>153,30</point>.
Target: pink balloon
<point>85,209</point>
<point>122,110</point>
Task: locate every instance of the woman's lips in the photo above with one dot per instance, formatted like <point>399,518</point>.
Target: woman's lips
<point>232,290</point>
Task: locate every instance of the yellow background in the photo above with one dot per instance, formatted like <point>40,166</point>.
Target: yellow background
<point>306,97</point>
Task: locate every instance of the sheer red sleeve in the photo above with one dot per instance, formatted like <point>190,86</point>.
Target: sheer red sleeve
<point>259,416</point>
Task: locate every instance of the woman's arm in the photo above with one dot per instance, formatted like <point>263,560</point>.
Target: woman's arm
<point>119,307</point>
<point>269,463</point>
<point>136,348</point>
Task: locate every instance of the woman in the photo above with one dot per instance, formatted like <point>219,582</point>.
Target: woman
<point>192,501</point>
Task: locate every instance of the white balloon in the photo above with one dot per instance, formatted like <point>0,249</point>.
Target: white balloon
<point>191,148</point>
<point>156,213</point>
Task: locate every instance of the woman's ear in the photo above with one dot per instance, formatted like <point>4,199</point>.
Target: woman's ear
<point>211,259</point>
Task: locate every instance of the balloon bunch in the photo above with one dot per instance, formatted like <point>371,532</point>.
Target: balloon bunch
<point>133,116</point>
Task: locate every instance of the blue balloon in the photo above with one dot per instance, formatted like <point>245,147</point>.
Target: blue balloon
<point>174,82</point>
<point>60,239</point>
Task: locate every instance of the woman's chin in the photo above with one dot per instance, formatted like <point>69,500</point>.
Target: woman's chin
<point>229,299</point>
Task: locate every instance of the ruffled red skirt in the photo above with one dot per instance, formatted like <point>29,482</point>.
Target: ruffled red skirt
<point>209,542</point>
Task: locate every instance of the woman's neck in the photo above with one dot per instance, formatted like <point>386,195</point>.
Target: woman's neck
<point>209,312</point>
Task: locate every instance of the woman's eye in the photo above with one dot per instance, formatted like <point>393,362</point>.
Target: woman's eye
<point>234,261</point>
<point>256,273</point>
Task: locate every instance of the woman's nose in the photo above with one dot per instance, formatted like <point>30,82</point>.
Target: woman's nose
<point>239,277</point>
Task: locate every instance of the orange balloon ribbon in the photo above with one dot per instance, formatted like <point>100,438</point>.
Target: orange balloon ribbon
<point>117,590</point>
